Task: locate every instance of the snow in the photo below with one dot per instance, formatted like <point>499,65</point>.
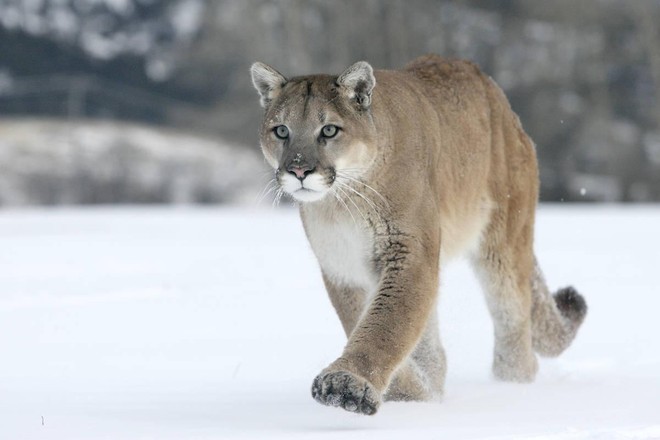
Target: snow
<point>46,161</point>
<point>180,323</point>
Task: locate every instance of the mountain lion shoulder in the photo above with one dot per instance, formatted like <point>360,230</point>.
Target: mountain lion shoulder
<point>397,172</point>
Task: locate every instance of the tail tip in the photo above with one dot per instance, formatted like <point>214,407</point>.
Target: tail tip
<point>571,304</point>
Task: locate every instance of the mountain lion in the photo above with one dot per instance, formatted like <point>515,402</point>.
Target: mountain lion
<point>397,172</point>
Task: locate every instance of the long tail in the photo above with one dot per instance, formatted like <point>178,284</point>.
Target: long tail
<point>555,318</point>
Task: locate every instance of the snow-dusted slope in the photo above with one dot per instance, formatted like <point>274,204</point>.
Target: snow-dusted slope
<point>54,162</point>
<point>181,324</point>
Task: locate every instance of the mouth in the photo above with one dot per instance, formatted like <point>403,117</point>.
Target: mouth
<point>309,189</point>
<point>307,195</point>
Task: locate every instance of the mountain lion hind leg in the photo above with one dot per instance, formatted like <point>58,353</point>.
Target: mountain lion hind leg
<point>422,376</point>
<point>505,266</point>
<point>526,317</point>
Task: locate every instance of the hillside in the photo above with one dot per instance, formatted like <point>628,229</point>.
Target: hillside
<point>59,162</point>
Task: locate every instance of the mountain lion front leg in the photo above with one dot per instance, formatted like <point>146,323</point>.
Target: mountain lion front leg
<point>349,302</point>
<point>421,376</point>
<point>390,328</point>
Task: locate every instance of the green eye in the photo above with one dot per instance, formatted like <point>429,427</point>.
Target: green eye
<point>329,131</point>
<point>281,131</point>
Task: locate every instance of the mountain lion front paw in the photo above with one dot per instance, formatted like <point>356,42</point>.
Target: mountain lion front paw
<point>343,389</point>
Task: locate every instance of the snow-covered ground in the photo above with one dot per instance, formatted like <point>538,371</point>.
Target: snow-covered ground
<point>212,323</point>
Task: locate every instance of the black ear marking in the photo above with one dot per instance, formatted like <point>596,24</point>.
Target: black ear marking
<point>358,82</point>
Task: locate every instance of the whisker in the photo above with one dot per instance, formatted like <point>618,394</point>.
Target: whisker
<point>346,176</point>
<point>270,186</point>
<point>261,199</point>
<point>356,206</point>
<point>353,169</point>
<point>345,205</point>
<point>278,196</point>
<point>371,204</point>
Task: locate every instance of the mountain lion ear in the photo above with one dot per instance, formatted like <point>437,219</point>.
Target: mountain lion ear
<point>358,81</point>
<point>267,81</point>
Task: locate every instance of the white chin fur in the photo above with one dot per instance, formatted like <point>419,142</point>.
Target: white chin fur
<point>314,188</point>
<point>307,195</point>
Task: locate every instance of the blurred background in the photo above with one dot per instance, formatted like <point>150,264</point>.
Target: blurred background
<point>145,101</point>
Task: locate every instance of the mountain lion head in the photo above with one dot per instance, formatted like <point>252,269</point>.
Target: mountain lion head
<point>317,130</point>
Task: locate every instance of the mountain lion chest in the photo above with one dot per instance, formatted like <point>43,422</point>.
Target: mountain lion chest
<point>344,250</point>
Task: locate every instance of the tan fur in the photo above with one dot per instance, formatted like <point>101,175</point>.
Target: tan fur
<point>430,163</point>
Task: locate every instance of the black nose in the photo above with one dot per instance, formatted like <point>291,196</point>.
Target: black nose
<point>300,171</point>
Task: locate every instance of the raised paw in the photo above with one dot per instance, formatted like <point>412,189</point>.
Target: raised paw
<point>345,390</point>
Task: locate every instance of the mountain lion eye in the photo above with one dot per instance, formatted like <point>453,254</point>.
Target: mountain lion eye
<point>281,131</point>
<point>329,131</point>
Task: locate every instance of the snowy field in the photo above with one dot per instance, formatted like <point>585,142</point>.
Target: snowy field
<point>211,324</point>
